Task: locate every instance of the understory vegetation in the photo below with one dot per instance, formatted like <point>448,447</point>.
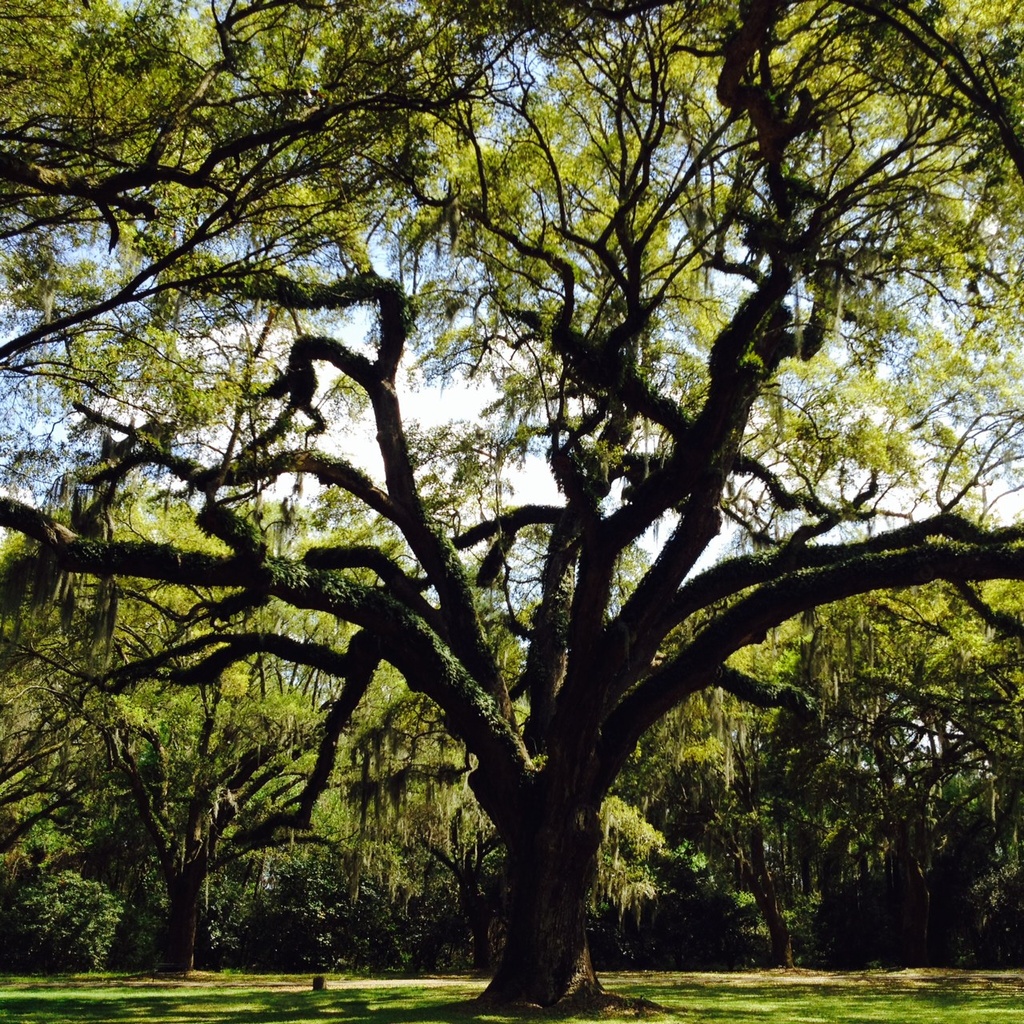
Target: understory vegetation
<point>909,759</point>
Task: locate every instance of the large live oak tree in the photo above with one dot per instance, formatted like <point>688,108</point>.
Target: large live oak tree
<point>748,265</point>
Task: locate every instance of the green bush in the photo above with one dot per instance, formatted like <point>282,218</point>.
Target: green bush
<point>297,912</point>
<point>698,920</point>
<point>998,900</point>
<point>302,918</point>
<point>59,923</point>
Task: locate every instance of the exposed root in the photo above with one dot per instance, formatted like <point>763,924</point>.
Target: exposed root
<point>608,1004</point>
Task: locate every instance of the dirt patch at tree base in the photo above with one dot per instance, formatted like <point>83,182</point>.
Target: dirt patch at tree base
<point>588,1005</point>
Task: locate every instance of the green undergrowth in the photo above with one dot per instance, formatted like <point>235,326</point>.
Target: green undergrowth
<point>759,998</point>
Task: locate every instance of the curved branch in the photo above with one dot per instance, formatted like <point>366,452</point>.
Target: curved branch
<point>14,515</point>
<point>1008,625</point>
<point>144,559</point>
<point>328,470</point>
<point>231,648</point>
<point>46,181</point>
<point>509,524</point>
<point>735,575</point>
<point>403,586</point>
<point>764,695</point>
<point>959,71</point>
<point>700,662</point>
<point>357,665</point>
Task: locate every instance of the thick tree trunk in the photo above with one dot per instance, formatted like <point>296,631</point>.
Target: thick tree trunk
<point>546,959</point>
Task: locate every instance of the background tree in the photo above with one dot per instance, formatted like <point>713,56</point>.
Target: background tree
<point>404,780</point>
<point>199,765</point>
<point>708,777</point>
<point>918,740</point>
<point>215,742</point>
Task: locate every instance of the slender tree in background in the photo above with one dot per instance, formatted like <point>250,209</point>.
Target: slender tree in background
<point>751,266</point>
<point>215,754</point>
<point>921,734</point>
<point>405,785</point>
<point>204,765</point>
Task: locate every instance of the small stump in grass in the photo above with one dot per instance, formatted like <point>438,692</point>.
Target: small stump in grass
<point>318,983</point>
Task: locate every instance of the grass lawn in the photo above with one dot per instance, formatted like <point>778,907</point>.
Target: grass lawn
<point>791,997</point>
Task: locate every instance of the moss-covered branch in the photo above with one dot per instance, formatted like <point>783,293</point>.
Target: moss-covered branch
<point>747,621</point>
<point>735,575</point>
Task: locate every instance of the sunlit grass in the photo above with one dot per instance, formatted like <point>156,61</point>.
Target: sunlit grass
<point>766,998</point>
<point>804,998</point>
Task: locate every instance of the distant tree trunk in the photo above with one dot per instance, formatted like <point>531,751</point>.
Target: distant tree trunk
<point>915,905</point>
<point>480,915</point>
<point>759,880</point>
<point>752,860</point>
<point>468,869</point>
<point>183,892</point>
<point>916,912</point>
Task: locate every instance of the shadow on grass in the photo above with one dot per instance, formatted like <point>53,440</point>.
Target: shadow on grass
<point>695,999</point>
<point>232,1006</point>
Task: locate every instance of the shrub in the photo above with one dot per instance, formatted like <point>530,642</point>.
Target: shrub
<point>60,923</point>
<point>998,900</point>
